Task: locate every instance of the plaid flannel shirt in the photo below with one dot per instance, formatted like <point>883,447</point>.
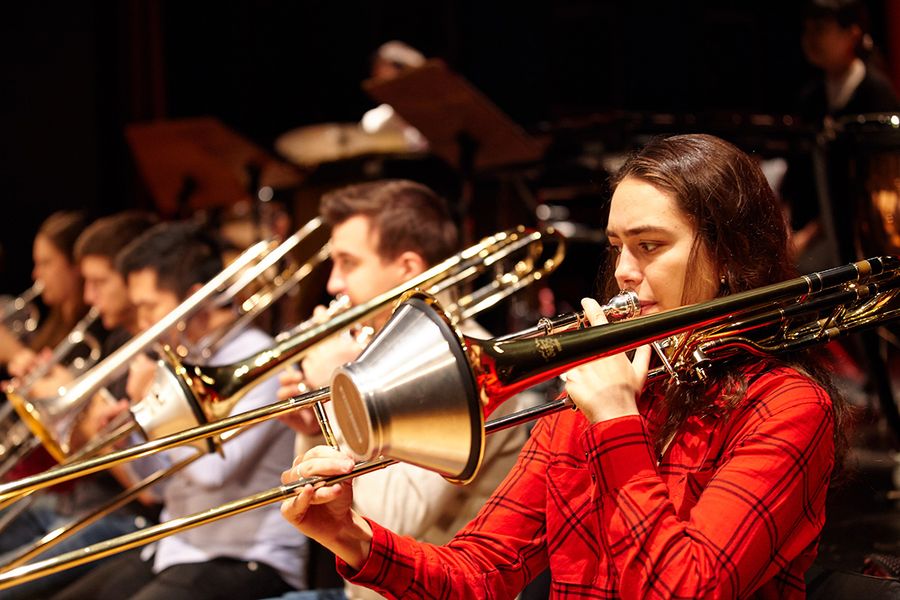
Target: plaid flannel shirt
<point>734,508</point>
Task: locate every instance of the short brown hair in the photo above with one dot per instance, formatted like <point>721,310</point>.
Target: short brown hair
<point>108,235</point>
<point>408,216</point>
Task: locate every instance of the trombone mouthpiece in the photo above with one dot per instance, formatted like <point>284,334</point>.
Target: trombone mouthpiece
<point>623,305</point>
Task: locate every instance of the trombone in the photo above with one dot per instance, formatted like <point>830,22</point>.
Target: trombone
<point>78,363</point>
<point>52,420</point>
<point>156,415</point>
<point>17,441</point>
<point>205,395</point>
<point>20,314</point>
<point>376,393</point>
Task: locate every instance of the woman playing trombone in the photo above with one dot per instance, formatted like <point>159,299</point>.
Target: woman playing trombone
<point>660,489</point>
<point>57,275</point>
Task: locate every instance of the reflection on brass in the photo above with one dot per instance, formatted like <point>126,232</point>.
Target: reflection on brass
<point>782,317</point>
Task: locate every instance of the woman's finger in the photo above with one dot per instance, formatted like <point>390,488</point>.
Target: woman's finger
<point>593,311</point>
<point>641,363</point>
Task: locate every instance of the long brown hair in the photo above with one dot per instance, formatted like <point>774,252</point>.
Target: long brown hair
<point>61,229</point>
<point>741,227</point>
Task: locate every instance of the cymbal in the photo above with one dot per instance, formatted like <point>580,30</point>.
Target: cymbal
<point>326,142</point>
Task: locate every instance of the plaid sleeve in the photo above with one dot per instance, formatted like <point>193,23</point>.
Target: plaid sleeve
<point>494,556</point>
<point>761,506</point>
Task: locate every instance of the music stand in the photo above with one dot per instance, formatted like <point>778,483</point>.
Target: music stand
<point>199,163</point>
<point>461,124</point>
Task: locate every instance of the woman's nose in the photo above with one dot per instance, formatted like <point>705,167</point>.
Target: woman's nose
<point>628,271</point>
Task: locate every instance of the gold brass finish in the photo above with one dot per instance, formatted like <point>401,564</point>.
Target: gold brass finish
<point>782,317</point>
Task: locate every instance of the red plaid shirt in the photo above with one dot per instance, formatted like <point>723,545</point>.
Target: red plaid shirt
<point>734,508</point>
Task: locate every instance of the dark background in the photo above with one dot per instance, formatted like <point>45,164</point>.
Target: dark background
<point>74,73</point>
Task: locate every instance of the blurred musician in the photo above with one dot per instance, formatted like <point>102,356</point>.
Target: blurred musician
<point>713,489</point>
<point>383,234</point>
<point>57,271</point>
<point>104,287</point>
<point>95,252</point>
<point>252,555</point>
<point>836,41</point>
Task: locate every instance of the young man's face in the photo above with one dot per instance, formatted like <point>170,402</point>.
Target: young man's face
<point>829,46</point>
<point>105,290</point>
<point>150,302</point>
<point>358,271</point>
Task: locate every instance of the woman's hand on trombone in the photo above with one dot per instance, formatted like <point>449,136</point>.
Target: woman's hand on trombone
<point>607,388</point>
<point>325,513</point>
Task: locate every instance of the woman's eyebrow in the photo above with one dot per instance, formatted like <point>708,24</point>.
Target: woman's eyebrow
<point>638,230</point>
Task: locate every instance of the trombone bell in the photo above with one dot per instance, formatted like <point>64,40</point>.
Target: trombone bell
<point>166,408</point>
<point>50,419</point>
<point>414,401</point>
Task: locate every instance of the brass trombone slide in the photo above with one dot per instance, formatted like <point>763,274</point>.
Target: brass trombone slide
<point>52,419</point>
<point>216,389</point>
<point>51,538</point>
<point>30,572</point>
<point>498,247</point>
<point>838,301</point>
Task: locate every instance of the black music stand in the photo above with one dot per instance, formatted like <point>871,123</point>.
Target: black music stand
<point>199,163</point>
<point>461,124</point>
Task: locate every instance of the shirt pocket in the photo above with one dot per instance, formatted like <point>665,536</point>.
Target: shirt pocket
<point>573,543</point>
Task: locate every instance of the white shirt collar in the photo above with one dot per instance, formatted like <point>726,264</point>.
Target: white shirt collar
<point>838,91</point>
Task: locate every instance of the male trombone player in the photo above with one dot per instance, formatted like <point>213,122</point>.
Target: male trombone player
<point>252,555</point>
<point>384,233</point>
<point>105,290</point>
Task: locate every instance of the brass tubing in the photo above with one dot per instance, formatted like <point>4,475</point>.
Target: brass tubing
<point>92,465</point>
<point>567,350</point>
<point>237,379</point>
<point>119,432</point>
<point>51,538</point>
<point>74,558</point>
<point>63,532</point>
